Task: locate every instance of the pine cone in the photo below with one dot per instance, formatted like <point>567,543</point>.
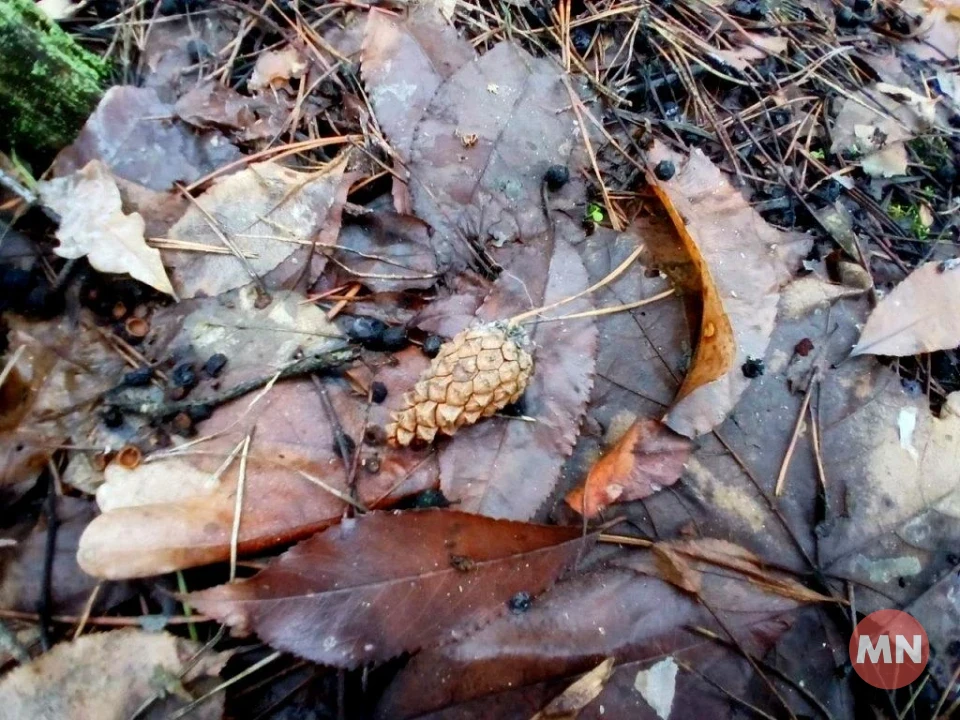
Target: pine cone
<point>477,373</point>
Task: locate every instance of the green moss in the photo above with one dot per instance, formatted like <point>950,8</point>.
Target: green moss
<point>48,84</point>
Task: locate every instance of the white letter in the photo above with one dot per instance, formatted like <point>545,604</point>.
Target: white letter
<point>866,647</point>
<point>912,650</point>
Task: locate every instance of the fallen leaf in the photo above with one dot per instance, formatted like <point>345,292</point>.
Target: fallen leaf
<point>920,315</point>
<point>354,595</point>
<point>274,68</point>
<point>386,252</point>
<point>579,694</point>
<point>888,162</point>
<point>403,62</point>
<point>296,481</point>
<point>266,211</point>
<point>21,566</point>
<point>93,225</point>
<point>110,676</point>
<point>506,467</point>
<point>739,264</point>
<point>611,612</point>
<point>646,459</point>
<point>214,105</point>
<point>491,189</point>
<point>871,118</point>
<point>938,37</point>
<point>137,136</point>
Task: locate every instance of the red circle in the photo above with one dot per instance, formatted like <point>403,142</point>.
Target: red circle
<point>889,649</point>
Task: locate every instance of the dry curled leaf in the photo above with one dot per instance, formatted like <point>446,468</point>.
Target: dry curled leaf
<point>739,264</point>
<point>920,315</point>
<point>648,457</point>
<point>267,212</point>
<point>580,694</point>
<point>274,68</point>
<point>93,225</point>
<point>386,583</point>
<point>507,467</point>
<point>110,676</point>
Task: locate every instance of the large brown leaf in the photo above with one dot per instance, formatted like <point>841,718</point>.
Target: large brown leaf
<point>613,612</point>
<point>506,467</point>
<point>184,515</point>
<point>403,62</point>
<point>740,263</point>
<point>383,584</point>
<point>483,145</point>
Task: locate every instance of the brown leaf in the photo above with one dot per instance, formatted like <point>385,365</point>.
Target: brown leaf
<point>740,262</point>
<point>403,62</point>
<point>93,225</point>
<point>505,467</point>
<point>646,459</point>
<point>266,211</point>
<point>376,586</point>
<point>214,105</point>
<point>613,612</point>
<point>184,514</point>
<point>579,694</point>
<point>274,68</point>
<point>386,252</point>
<point>920,315</point>
<point>135,134</point>
<point>489,186</point>
<point>109,676</point>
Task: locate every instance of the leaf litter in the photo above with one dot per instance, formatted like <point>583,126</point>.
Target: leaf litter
<point>759,474</point>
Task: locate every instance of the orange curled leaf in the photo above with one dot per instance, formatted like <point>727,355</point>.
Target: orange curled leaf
<point>648,457</point>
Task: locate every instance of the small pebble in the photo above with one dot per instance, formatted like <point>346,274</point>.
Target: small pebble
<point>431,346</point>
<point>199,413</point>
<point>378,392</point>
<point>214,365</point>
<point>520,603</point>
<point>556,177</point>
<point>752,368</point>
<point>182,423</point>
<point>665,170</point>
<point>371,464</point>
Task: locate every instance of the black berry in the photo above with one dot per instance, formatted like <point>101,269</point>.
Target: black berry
<point>430,499</point>
<point>112,417</point>
<point>753,368</point>
<point>520,603</point>
<point>556,177</point>
<point>214,365</point>
<point>366,330</point>
<point>665,170</point>
<point>394,338</point>
<point>184,375</point>
<point>138,377</point>
<point>378,392</point>
<point>200,412</point>
<point>580,38</point>
<point>431,346</point>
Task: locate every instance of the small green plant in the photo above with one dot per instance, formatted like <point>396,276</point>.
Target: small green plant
<point>594,213</point>
<point>910,214</point>
<point>818,154</point>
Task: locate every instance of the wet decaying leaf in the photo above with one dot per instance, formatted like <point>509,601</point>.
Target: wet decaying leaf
<point>93,225</point>
<point>269,213</point>
<point>740,263</point>
<point>614,612</point>
<point>50,391</point>
<point>648,457</point>
<point>376,586</point>
<point>920,315</point>
<point>508,467</point>
<point>483,145</point>
<point>387,252</point>
<point>137,136</point>
<point>184,511</point>
<point>110,676</point>
<point>403,62</point>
